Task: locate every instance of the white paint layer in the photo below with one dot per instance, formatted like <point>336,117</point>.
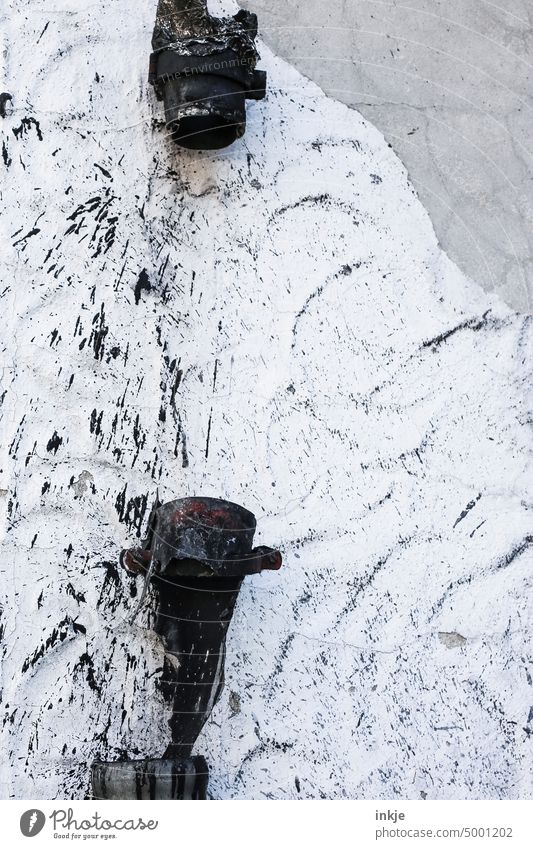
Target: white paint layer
<point>274,324</point>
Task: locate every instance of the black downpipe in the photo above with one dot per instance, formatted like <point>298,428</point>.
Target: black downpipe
<point>204,69</point>
<point>198,644</point>
<point>197,554</point>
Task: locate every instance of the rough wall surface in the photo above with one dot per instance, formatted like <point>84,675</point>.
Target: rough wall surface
<point>274,324</point>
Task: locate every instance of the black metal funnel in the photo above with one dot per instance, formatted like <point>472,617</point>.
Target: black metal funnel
<point>197,554</point>
<point>204,69</point>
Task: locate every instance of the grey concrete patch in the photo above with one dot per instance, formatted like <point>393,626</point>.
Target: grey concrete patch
<point>82,484</point>
<point>451,639</point>
<point>449,85</point>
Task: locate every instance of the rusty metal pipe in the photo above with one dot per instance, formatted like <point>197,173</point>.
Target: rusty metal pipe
<point>197,554</point>
<point>204,69</point>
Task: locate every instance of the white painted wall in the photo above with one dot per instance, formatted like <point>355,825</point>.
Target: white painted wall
<point>371,406</point>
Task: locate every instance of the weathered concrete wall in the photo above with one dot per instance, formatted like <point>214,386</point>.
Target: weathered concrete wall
<point>274,324</point>
<point>449,83</point>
